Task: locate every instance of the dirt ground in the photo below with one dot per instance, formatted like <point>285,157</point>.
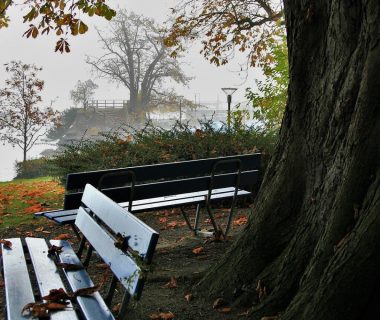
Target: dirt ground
<point>179,262</point>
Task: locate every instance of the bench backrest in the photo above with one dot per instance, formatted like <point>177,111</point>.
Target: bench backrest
<point>123,241</point>
<point>165,179</point>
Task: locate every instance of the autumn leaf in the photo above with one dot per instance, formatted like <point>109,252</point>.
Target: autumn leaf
<point>171,284</point>
<point>40,229</point>
<point>240,221</point>
<point>57,295</point>
<point>86,291</point>
<point>225,310</point>
<point>6,243</point>
<point>116,308</point>
<point>63,236</point>
<point>162,316</point>
<point>198,250</point>
<point>70,266</point>
<point>42,309</point>
<point>54,250</point>
<point>219,303</point>
<point>188,297</point>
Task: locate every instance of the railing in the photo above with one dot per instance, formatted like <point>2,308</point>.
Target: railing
<point>106,104</point>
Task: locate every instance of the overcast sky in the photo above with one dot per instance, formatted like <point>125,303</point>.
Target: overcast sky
<point>62,71</point>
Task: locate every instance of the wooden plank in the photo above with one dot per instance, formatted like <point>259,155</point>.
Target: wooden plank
<point>66,220</point>
<point>185,201</point>
<point>59,213</point>
<point>143,238</point>
<point>123,266</point>
<point>92,307</point>
<point>165,188</point>
<point>18,289</point>
<point>171,170</point>
<point>47,274</point>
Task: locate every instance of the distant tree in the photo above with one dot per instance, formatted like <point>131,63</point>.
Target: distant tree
<point>270,100</point>
<point>22,122</point>
<point>58,17</point>
<point>83,92</point>
<point>136,57</point>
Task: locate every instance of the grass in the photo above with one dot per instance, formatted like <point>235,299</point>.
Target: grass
<point>20,199</point>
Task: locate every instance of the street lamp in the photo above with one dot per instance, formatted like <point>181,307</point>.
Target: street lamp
<point>229,92</point>
<point>180,109</point>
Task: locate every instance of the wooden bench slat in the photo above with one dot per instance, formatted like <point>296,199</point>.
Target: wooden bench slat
<point>171,170</point>
<point>47,274</point>
<point>125,269</point>
<point>143,237</point>
<point>92,307</point>
<point>18,289</point>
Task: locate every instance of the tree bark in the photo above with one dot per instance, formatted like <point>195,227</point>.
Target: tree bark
<point>313,239</point>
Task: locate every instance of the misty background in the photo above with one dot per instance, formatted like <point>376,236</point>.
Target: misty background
<point>62,71</point>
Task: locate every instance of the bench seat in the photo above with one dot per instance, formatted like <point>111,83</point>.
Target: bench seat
<point>30,272</point>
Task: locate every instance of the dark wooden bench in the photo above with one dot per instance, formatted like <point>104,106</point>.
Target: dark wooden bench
<point>167,185</point>
<point>122,241</point>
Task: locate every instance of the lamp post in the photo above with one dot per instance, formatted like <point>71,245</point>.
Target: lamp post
<point>229,92</point>
<point>180,109</point>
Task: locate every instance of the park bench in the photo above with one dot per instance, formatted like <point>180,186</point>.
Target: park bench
<point>123,242</point>
<point>181,184</point>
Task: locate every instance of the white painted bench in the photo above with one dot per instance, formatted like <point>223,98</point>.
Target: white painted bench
<point>123,242</point>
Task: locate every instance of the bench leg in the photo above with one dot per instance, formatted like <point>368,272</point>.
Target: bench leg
<point>111,291</point>
<point>81,247</point>
<point>124,305</point>
<point>73,226</point>
<point>196,222</point>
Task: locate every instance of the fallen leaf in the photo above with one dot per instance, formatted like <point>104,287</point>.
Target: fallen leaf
<point>116,308</point>
<point>86,291</point>
<point>270,318</point>
<point>42,309</point>
<point>198,250</point>
<point>70,266</point>
<point>218,303</point>
<point>1,283</point>
<point>54,250</point>
<point>102,265</point>
<point>225,310</point>
<point>40,229</point>
<point>46,232</point>
<point>188,297</point>
<point>240,221</point>
<point>57,295</point>
<point>171,284</point>
<point>172,224</point>
<point>163,220</point>
<point>161,316</point>
<point>245,313</point>
<point>6,243</point>
<point>63,236</point>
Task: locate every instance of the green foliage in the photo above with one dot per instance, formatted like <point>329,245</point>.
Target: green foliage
<point>270,102</point>
<point>32,169</point>
<point>67,119</point>
<point>156,145</point>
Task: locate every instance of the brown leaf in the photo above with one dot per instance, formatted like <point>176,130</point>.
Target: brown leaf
<point>56,306</point>
<point>219,303</point>
<point>42,309</point>
<point>6,243</point>
<point>40,229</point>
<point>1,283</point>
<point>70,266</point>
<point>167,315</point>
<point>63,236</point>
<point>198,250</point>
<point>57,295</point>
<point>86,291</point>
<point>171,284</point>
<point>54,250</point>
<point>116,308</point>
<point>225,310</point>
<point>188,297</point>
<point>102,265</point>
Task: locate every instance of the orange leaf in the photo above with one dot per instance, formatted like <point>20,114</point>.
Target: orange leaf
<point>171,284</point>
<point>162,316</point>
<point>225,310</point>
<point>240,221</point>
<point>63,236</point>
<point>198,250</point>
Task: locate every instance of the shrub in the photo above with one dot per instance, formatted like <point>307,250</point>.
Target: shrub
<point>156,145</point>
<point>31,169</point>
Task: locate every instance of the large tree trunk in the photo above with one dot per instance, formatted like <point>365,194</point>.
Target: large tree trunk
<point>313,240</point>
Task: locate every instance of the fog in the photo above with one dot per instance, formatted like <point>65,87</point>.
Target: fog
<point>62,71</point>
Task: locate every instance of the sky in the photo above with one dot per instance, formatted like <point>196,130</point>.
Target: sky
<point>62,71</point>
